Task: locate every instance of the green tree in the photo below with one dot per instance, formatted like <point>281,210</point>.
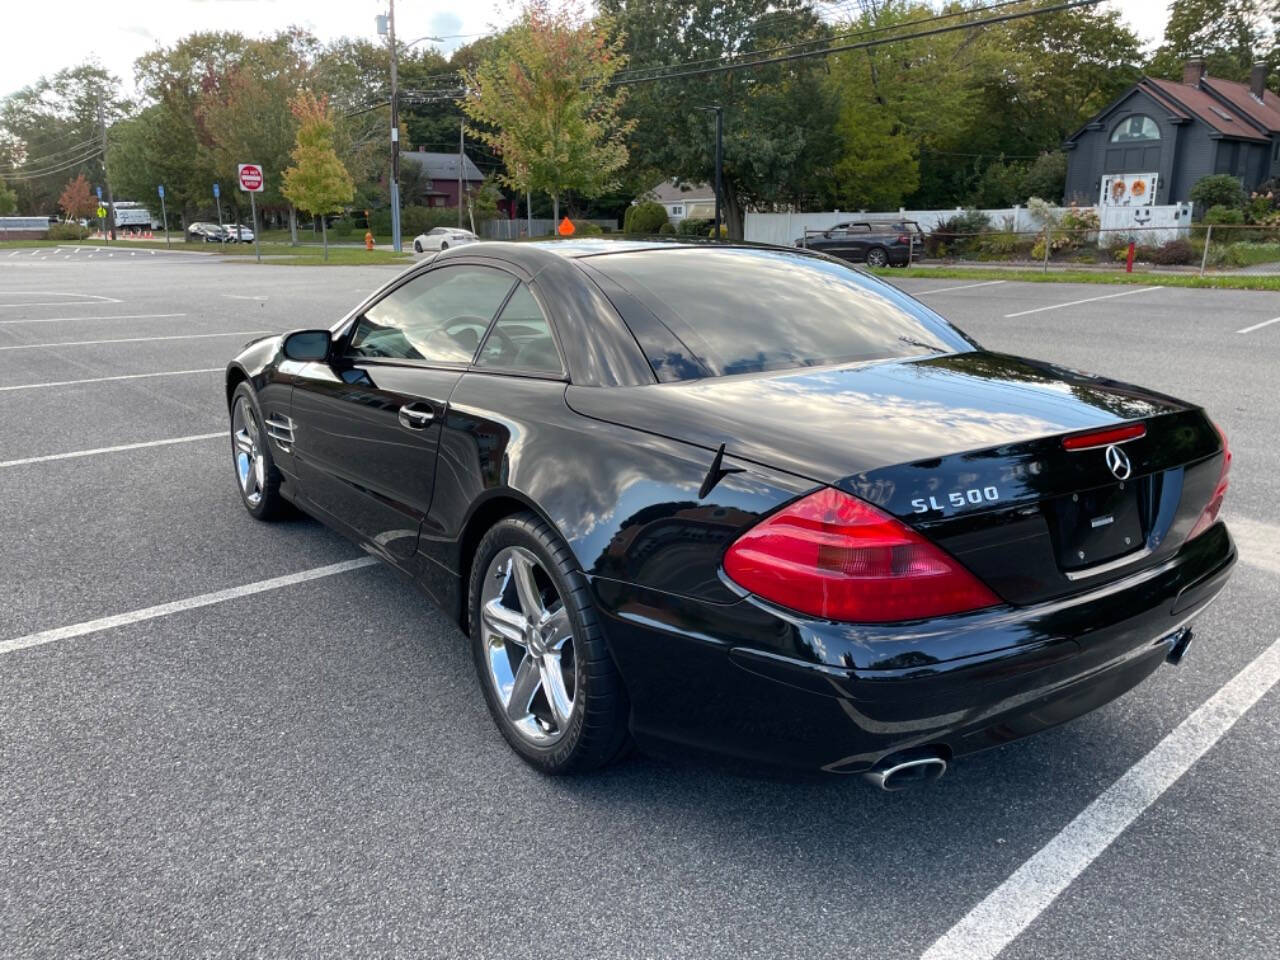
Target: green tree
<point>51,132</point>
<point>317,182</point>
<point>542,100</point>
<point>8,200</point>
<point>246,116</point>
<point>1230,34</point>
<point>780,141</point>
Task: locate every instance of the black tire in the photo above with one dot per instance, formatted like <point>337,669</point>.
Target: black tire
<point>597,733</point>
<point>877,257</point>
<point>417,247</point>
<point>270,505</point>
<point>444,245</point>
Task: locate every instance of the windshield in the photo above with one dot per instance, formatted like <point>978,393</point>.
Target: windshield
<point>714,312</point>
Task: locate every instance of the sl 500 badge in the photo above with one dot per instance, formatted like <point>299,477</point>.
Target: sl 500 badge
<point>974,496</point>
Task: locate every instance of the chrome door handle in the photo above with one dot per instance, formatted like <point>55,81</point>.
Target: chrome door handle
<point>415,417</point>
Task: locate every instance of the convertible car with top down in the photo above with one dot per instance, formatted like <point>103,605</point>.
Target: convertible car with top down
<point>743,501</point>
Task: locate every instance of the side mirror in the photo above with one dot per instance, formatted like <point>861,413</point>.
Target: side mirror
<point>307,345</point>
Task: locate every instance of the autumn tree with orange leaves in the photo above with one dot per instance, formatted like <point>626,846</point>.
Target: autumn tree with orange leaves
<point>77,199</point>
<point>542,101</point>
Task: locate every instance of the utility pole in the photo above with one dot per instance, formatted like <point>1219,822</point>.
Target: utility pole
<point>462,142</point>
<point>395,130</point>
<point>106,180</point>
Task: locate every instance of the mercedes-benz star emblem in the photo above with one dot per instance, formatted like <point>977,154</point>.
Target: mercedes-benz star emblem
<point>1118,461</point>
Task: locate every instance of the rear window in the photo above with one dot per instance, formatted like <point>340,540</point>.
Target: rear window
<point>714,312</point>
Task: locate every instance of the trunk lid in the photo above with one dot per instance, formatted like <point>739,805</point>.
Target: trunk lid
<point>968,449</point>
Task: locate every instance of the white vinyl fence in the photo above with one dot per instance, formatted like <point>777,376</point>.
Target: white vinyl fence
<point>786,228</point>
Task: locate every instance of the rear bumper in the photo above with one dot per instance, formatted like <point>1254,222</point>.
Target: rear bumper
<point>765,686</point>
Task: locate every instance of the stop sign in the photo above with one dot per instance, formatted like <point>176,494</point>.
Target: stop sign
<point>251,177</point>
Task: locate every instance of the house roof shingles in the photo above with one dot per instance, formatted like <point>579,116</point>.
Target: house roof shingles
<point>443,166</point>
<point>1266,113</point>
<point>1204,106</point>
<point>668,192</point>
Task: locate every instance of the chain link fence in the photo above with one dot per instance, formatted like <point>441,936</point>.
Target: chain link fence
<point>1201,248</point>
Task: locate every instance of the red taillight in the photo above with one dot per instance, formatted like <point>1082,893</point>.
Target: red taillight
<point>833,556</point>
<point>1209,516</point>
<point>1103,438</point>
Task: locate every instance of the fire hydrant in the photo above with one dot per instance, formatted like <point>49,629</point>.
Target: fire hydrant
<point>368,240</point>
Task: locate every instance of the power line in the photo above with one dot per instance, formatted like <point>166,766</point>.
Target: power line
<point>864,45</point>
<point>57,156</point>
<point>69,165</point>
<point>870,31</point>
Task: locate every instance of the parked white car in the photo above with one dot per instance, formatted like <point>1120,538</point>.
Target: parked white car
<point>245,235</point>
<point>442,238</point>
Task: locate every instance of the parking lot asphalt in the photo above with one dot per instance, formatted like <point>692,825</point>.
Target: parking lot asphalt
<point>309,770</point>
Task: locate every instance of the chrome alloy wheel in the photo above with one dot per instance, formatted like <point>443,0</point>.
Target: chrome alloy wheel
<point>528,646</point>
<point>246,442</point>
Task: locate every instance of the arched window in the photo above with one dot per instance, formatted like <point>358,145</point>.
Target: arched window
<point>1137,127</point>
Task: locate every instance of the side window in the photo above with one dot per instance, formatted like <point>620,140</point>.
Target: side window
<point>440,316</point>
<point>521,339</point>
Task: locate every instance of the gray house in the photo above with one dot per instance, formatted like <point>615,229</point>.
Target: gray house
<point>1154,142</point>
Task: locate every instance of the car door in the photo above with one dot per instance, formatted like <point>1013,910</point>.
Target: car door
<point>367,422</point>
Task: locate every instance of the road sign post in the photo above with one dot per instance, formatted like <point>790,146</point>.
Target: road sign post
<point>163,216</point>
<point>217,192</point>
<point>252,182</point>
<point>102,215</point>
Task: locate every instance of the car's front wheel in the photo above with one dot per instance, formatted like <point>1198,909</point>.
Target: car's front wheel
<point>256,475</point>
<point>444,246</point>
<point>417,247</point>
<point>877,257</point>
<point>547,677</point>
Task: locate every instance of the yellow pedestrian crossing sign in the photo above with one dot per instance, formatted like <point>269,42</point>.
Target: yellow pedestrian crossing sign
<point>102,212</point>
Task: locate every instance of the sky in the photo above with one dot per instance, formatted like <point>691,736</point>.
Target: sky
<point>117,32</point>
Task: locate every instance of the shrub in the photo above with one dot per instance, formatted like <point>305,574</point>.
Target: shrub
<point>1047,176</point>
<point>666,228</point>
<point>1218,190</point>
<point>414,220</point>
<point>645,218</point>
<point>585,228</point>
<point>1173,253</point>
<point>956,235</point>
<point>997,246</point>
<point>66,231</point>
<point>1219,215</point>
<point>694,227</point>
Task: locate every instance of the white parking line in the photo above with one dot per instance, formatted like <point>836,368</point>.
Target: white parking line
<point>1073,303</point>
<point>51,293</point>
<point>244,296</point>
<point>1259,326</point>
<point>178,606</point>
<point>76,454</point>
<point>125,376</point>
<point>1009,909</point>
<point>965,286</point>
<point>86,343</point>
<point>123,316</point>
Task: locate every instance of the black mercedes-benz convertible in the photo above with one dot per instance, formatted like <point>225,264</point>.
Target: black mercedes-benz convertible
<point>741,500</point>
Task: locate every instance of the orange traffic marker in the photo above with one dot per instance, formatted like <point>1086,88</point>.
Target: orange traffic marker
<point>566,228</point>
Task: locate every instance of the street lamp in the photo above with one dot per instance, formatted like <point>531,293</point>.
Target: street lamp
<point>719,112</point>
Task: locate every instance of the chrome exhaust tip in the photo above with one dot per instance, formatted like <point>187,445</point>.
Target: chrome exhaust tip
<point>901,774</point>
<point>1181,641</point>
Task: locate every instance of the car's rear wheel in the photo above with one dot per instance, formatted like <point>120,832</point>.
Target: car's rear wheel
<point>547,677</point>
<point>877,257</point>
<point>256,475</point>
